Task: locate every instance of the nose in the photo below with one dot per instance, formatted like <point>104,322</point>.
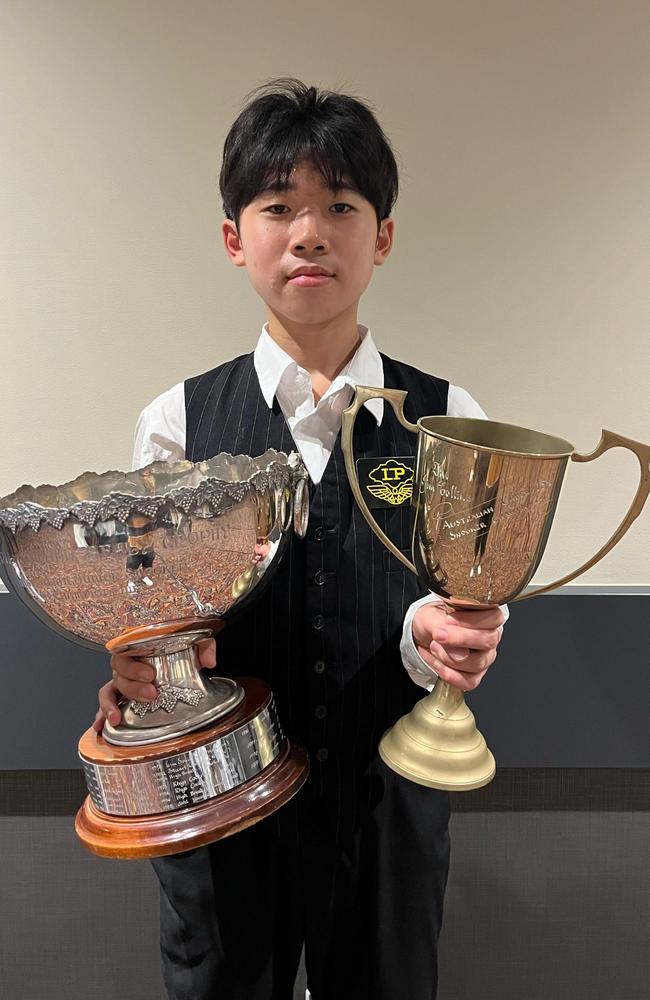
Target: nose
<point>310,234</point>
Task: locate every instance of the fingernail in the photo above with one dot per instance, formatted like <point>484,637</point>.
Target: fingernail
<point>458,656</point>
<point>440,634</point>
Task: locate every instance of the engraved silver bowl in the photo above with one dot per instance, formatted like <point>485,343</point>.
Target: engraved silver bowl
<point>121,558</point>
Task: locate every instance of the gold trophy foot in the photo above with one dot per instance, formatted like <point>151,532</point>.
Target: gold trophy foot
<point>438,745</point>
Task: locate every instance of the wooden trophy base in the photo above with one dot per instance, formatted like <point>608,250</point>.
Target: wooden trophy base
<point>163,776</point>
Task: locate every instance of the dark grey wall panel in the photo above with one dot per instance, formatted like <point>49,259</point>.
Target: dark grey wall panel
<point>50,688</point>
<point>570,687</point>
<point>514,789</point>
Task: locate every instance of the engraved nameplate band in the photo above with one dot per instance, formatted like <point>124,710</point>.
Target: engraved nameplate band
<point>174,782</point>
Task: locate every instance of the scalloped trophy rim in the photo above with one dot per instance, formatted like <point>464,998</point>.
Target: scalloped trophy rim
<point>180,475</point>
<point>157,492</point>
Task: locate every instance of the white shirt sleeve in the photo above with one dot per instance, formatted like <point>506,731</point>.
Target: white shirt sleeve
<point>160,430</point>
<point>459,404</point>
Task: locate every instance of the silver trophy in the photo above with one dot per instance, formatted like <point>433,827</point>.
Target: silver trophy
<point>153,562</point>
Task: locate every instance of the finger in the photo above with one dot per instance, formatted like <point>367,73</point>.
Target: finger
<point>459,658</point>
<point>207,653</point>
<point>114,719</point>
<point>491,618</point>
<point>428,657</point>
<point>469,664</point>
<point>467,638</point>
<point>135,690</point>
<point>131,690</point>
<point>464,682</point>
<point>108,706</point>
<point>475,662</point>
<point>131,669</point>
<point>460,678</point>
<point>426,618</point>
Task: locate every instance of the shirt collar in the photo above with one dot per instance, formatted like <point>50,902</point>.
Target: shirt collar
<point>364,368</point>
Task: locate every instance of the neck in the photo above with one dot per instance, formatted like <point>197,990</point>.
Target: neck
<point>322,349</point>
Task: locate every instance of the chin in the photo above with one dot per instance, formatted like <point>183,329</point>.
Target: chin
<point>315,319</point>
<point>307,316</point>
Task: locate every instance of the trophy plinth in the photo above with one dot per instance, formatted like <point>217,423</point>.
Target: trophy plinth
<point>150,563</point>
<point>163,798</point>
<point>483,500</point>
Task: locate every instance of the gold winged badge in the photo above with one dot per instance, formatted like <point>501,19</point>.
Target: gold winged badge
<point>392,482</point>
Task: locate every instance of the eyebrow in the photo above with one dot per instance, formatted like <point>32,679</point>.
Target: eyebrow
<point>346,186</point>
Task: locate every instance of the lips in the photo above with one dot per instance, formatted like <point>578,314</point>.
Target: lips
<point>309,280</point>
<point>309,269</point>
<point>310,275</point>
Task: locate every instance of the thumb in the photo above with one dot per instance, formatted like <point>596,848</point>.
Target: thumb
<point>207,653</point>
<point>109,710</point>
<point>114,717</point>
<point>426,619</point>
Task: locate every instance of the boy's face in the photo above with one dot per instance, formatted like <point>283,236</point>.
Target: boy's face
<point>309,226</point>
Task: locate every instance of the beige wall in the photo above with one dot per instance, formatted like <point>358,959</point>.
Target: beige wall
<point>522,257</point>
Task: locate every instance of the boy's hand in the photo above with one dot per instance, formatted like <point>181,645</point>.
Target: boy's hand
<point>132,679</point>
<point>460,647</point>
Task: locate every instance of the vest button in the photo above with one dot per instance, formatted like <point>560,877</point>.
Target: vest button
<point>319,578</point>
<point>318,533</point>
<point>319,666</point>
<point>322,754</point>
<point>318,622</point>
<point>320,711</point>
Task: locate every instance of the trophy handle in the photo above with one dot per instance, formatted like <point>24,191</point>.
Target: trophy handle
<point>642,451</point>
<point>396,399</point>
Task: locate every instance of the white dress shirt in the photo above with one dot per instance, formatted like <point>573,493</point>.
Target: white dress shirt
<point>160,430</point>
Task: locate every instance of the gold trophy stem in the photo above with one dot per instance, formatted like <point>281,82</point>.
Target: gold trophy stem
<point>446,700</point>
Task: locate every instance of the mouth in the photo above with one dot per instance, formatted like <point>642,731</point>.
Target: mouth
<point>310,280</point>
<point>310,271</point>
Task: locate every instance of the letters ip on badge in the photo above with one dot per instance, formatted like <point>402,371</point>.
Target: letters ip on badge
<point>386,482</point>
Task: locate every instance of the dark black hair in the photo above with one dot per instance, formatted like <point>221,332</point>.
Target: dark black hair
<point>286,122</point>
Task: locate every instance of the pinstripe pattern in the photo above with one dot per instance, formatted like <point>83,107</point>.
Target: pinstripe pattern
<point>361,603</point>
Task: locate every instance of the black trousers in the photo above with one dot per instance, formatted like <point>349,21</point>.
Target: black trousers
<point>365,900</point>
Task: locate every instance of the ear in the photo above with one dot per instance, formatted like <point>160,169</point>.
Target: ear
<point>232,243</point>
<point>385,238</point>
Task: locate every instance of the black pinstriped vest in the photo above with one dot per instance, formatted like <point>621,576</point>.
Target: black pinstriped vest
<point>325,633</point>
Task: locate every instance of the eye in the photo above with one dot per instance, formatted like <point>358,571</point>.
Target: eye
<point>271,209</point>
<point>344,205</point>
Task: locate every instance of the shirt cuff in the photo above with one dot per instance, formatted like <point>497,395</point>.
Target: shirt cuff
<point>419,671</point>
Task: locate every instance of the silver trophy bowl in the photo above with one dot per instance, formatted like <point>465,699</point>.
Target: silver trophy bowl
<point>154,561</point>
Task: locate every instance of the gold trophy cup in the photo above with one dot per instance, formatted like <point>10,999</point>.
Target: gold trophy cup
<point>483,501</point>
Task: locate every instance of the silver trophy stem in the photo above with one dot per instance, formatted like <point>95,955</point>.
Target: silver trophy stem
<point>186,699</point>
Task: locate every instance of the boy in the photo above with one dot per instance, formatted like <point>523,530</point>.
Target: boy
<point>355,866</point>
